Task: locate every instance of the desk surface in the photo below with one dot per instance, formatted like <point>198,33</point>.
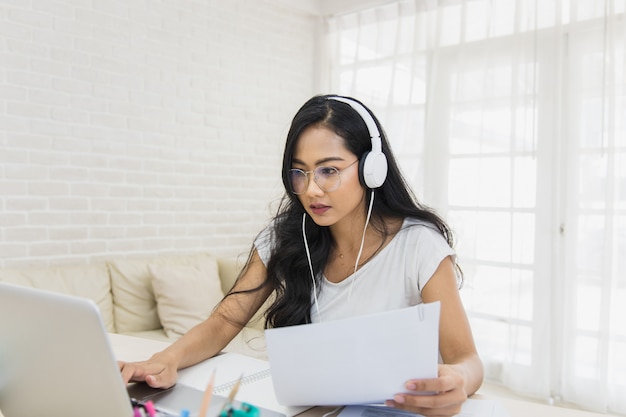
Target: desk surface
<point>129,348</point>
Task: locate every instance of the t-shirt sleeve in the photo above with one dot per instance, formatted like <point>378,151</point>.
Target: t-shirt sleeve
<point>263,244</point>
<point>430,250</point>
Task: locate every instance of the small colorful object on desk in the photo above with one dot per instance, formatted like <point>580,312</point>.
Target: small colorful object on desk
<point>149,405</point>
<point>141,409</point>
<point>246,410</point>
<point>148,409</point>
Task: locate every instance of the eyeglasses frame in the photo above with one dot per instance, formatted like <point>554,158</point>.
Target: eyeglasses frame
<point>306,175</point>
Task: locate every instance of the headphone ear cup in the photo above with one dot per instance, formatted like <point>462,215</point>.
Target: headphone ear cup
<point>373,169</point>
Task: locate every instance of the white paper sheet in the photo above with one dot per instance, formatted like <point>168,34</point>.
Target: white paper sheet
<point>365,359</point>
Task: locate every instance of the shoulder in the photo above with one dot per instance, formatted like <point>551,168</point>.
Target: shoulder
<point>425,247</point>
<point>417,241</point>
<point>423,243</point>
<point>419,230</point>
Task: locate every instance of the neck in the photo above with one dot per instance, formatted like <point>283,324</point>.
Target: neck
<point>346,236</point>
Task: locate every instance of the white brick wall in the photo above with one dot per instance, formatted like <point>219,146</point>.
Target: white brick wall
<point>131,127</point>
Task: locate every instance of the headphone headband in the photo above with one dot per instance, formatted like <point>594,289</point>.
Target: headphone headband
<point>367,118</point>
<point>373,166</point>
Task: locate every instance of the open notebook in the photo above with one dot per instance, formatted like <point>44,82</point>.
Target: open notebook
<point>256,381</point>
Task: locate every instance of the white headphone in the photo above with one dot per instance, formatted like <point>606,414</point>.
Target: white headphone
<point>373,165</point>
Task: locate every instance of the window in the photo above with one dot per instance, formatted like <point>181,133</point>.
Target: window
<point>509,117</point>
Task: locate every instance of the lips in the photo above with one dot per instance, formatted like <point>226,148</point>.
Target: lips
<point>319,208</point>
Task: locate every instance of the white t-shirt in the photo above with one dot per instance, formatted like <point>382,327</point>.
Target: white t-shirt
<point>391,280</point>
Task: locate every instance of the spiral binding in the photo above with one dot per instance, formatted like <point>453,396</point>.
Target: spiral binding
<point>248,379</point>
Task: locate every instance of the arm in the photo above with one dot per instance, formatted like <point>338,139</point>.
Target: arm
<point>462,372</point>
<point>207,338</point>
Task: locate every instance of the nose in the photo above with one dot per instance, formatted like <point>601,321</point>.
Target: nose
<point>312,189</point>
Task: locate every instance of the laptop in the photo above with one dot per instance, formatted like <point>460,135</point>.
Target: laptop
<point>56,361</point>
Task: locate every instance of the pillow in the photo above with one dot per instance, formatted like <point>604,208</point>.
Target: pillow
<point>134,307</point>
<point>185,295</point>
<point>134,304</point>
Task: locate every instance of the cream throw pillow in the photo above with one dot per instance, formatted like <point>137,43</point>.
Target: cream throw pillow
<point>134,304</point>
<point>185,295</point>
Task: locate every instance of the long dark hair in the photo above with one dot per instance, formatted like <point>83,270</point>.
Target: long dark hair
<point>288,272</point>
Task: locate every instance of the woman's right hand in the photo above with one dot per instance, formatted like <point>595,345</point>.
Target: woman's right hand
<point>156,372</point>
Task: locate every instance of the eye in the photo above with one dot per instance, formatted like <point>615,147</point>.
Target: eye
<point>326,171</point>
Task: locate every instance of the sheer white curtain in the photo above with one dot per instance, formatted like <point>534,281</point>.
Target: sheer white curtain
<point>509,117</point>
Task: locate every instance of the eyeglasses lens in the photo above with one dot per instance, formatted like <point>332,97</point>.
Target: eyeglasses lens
<point>298,181</point>
<point>327,178</point>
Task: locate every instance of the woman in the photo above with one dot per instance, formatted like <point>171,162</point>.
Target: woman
<point>348,239</point>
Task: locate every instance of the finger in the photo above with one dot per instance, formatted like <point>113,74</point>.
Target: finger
<point>447,403</point>
<point>445,382</point>
<point>137,372</point>
<point>155,381</point>
<point>163,379</point>
<point>429,385</point>
<point>447,411</point>
<point>130,372</point>
<point>424,401</point>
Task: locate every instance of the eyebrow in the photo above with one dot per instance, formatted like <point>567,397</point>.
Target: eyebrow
<point>319,161</point>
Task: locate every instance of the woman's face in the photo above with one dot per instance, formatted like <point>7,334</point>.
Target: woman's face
<point>318,146</point>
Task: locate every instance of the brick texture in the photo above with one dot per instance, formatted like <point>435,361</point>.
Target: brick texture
<point>131,127</point>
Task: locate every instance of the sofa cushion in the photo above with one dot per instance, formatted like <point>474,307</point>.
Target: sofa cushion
<point>88,281</point>
<point>229,269</point>
<point>185,295</point>
<point>134,302</point>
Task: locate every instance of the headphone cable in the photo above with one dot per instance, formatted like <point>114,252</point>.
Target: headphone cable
<point>358,257</point>
<point>356,264</point>
<point>308,255</point>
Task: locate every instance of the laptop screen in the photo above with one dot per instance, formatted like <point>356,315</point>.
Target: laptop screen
<point>55,358</point>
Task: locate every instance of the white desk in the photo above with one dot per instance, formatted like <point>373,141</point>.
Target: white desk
<point>134,349</point>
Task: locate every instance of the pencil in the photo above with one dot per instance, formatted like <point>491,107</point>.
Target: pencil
<point>206,398</point>
<point>232,394</point>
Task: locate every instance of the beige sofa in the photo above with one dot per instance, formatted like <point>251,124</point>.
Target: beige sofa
<point>157,297</point>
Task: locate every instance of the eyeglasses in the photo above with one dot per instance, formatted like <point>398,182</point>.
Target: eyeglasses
<point>327,178</point>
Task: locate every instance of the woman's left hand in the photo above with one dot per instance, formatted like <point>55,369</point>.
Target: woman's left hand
<point>449,394</point>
